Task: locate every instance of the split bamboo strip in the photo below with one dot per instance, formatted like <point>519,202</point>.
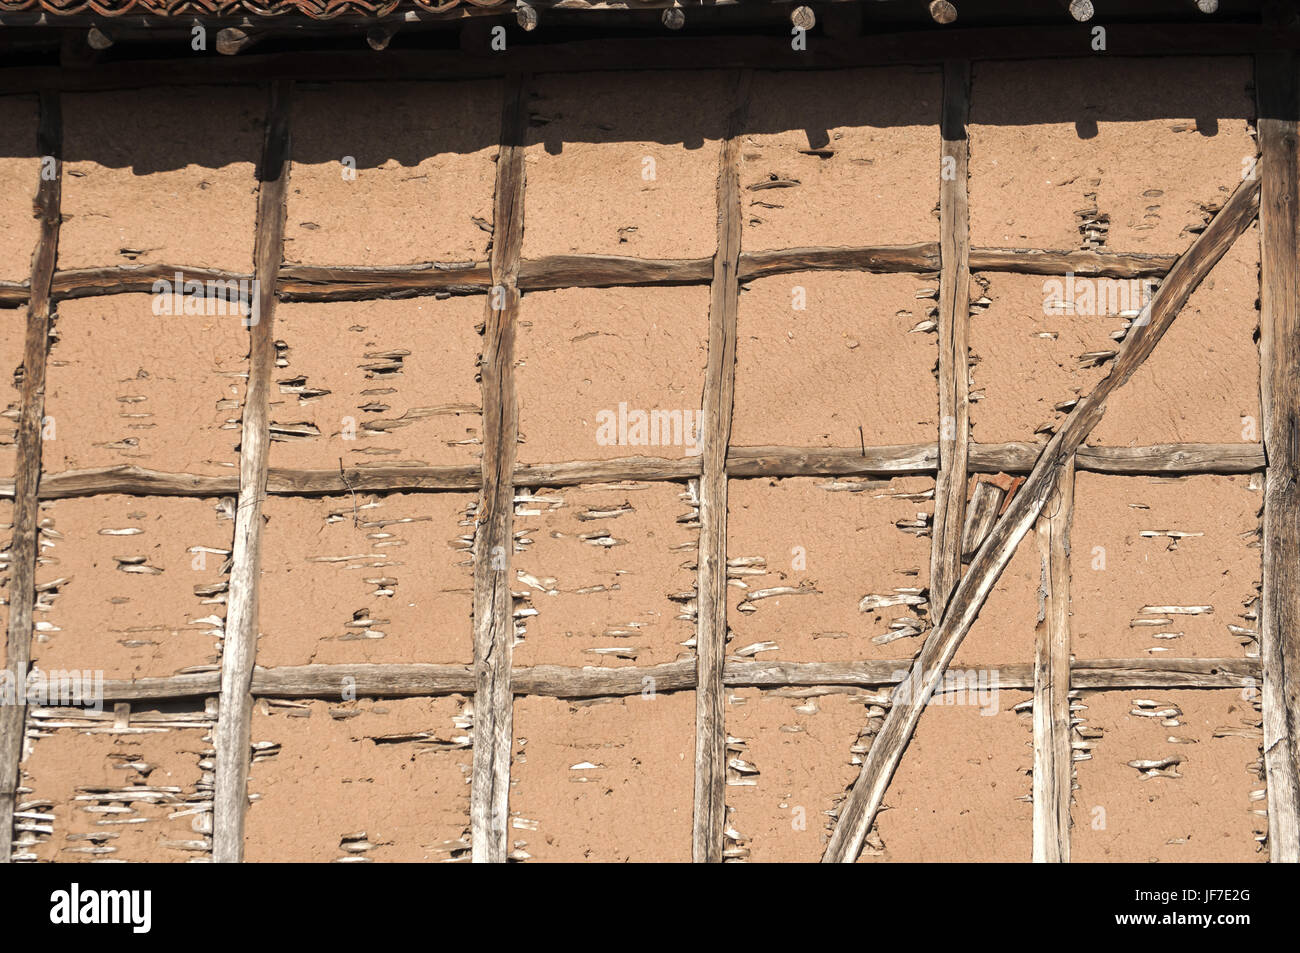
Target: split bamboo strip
<point>25,543</point>
<point>1279,345</point>
<point>859,810</point>
<point>709,810</point>
<point>494,629</point>
<point>1053,763</point>
<point>954,319</point>
<point>239,649</point>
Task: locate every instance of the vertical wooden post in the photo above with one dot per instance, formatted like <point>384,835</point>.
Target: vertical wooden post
<point>709,814</point>
<point>954,318</point>
<point>494,625</point>
<point>25,545</point>
<point>1279,346</point>
<point>239,649</point>
<point>1053,764</point>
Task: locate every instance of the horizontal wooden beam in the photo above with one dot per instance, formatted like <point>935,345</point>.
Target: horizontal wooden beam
<point>556,681</point>
<point>922,46</point>
<point>339,283</point>
<point>903,460</point>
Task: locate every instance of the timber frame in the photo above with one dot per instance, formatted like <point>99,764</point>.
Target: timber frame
<point>1271,194</point>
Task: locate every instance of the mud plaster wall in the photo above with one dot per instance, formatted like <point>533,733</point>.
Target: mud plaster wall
<point>139,794</point>
<point>604,574</point>
<point>12,342</point>
<point>133,586</point>
<point>375,578</point>
<point>361,780</point>
<point>377,383</point>
<point>20,171</point>
<point>1059,159</point>
<point>128,386</point>
<point>430,145</point>
<point>1169,776</point>
<point>603,780</point>
<point>823,570</point>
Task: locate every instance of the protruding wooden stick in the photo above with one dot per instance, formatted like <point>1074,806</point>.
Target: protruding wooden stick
<point>941,11</point>
<point>674,18</point>
<point>1081,10</point>
<point>803,17</point>
<point>378,37</point>
<point>97,39</point>
<point>526,16</point>
<point>232,40</point>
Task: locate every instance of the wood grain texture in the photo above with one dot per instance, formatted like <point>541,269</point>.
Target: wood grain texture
<point>1053,762</point>
<point>239,650</point>
<point>25,542</point>
<point>954,321</point>
<point>859,810</point>
<point>900,460</point>
<point>369,283</point>
<point>494,627</point>
<point>417,680</point>
<point>709,810</point>
<point>1279,346</point>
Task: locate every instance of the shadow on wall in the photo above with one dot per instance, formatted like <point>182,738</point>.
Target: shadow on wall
<point>165,129</point>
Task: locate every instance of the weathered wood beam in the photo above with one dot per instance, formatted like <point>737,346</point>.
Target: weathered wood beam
<point>24,546</point>
<point>859,810</point>
<point>710,808</point>
<point>347,283</point>
<point>985,504</point>
<point>954,319</point>
<point>239,648</point>
<point>942,12</point>
<point>554,681</point>
<point>1279,347</point>
<point>903,460</point>
<point>494,627</point>
<point>1038,261</point>
<point>1053,756</point>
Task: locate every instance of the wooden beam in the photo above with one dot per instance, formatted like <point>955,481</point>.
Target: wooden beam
<point>954,319</point>
<point>858,812</point>
<point>709,812</point>
<point>985,505</point>
<point>494,627</point>
<point>920,46</point>
<point>419,680</point>
<point>1279,347</point>
<point>1053,756</point>
<point>1180,459</point>
<point>239,648</point>
<point>348,283</point>
<point>24,546</point>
